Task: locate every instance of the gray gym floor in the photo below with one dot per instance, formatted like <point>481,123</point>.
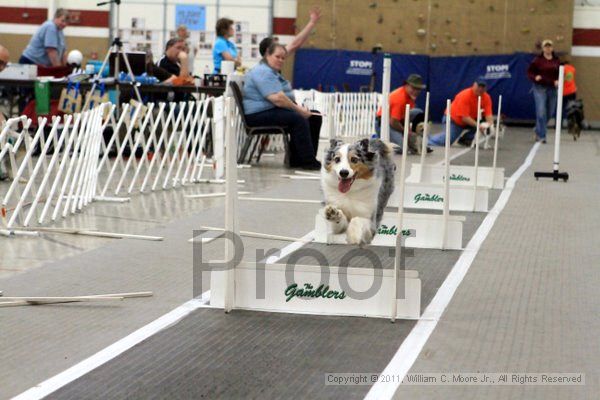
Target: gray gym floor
<point>526,304</point>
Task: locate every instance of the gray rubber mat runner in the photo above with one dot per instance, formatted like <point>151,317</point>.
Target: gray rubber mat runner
<point>266,355</point>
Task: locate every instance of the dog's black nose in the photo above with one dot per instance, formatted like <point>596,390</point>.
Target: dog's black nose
<point>344,173</point>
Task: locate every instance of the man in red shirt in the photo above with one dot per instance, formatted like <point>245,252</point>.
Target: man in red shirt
<point>464,115</point>
<point>399,98</point>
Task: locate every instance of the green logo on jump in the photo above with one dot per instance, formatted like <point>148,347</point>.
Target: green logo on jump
<point>309,291</point>
<point>428,197</point>
<point>392,230</point>
<point>459,177</point>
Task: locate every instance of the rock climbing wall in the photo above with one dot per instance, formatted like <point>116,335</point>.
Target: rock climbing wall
<point>440,27</point>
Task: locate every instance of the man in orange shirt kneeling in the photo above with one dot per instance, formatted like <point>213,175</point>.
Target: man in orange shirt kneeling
<point>464,115</point>
<point>399,98</point>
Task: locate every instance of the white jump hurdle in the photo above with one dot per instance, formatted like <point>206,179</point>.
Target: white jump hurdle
<point>307,292</point>
<point>308,295</point>
<point>428,228</point>
<point>461,175</point>
<point>433,231</point>
<point>431,196</point>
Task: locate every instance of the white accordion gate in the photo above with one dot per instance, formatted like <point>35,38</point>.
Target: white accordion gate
<point>95,154</point>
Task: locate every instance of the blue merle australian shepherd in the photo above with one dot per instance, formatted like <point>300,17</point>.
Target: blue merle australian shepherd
<point>357,181</point>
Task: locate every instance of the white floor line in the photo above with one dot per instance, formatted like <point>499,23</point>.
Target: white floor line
<point>62,379</point>
<point>51,385</point>
<point>411,347</point>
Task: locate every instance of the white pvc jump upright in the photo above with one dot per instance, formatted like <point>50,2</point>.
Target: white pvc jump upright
<point>307,292</point>
<point>385,100</point>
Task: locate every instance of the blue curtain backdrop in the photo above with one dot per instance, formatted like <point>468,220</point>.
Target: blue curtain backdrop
<point>445,76</point>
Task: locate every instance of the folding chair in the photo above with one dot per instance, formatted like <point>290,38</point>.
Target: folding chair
<point>257,135</point>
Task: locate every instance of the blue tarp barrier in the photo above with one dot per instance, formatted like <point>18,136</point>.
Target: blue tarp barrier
<point>445,76</point>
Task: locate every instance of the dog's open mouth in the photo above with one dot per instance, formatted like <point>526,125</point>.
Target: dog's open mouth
<point>344,184</point>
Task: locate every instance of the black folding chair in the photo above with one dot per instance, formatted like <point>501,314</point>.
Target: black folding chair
<point>257,135</point>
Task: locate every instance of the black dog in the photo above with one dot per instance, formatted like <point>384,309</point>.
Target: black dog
<point>575,117</point>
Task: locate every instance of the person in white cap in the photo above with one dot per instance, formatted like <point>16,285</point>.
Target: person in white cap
<point>543,72</point>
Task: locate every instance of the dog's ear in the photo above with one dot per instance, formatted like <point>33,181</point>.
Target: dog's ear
<point>330,152</point>
<point>364,144</point>
<point>333,143</point>
<point>370,156</point>
<point>366,148</point>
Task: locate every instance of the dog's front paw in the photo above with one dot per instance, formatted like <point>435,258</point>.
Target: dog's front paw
<point>359,231</point>
<point>333,214</point>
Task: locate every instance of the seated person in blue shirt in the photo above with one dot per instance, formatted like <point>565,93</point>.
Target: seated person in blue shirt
<point>269,100</point>
<point>47,45</point>
<point>224,49</point>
